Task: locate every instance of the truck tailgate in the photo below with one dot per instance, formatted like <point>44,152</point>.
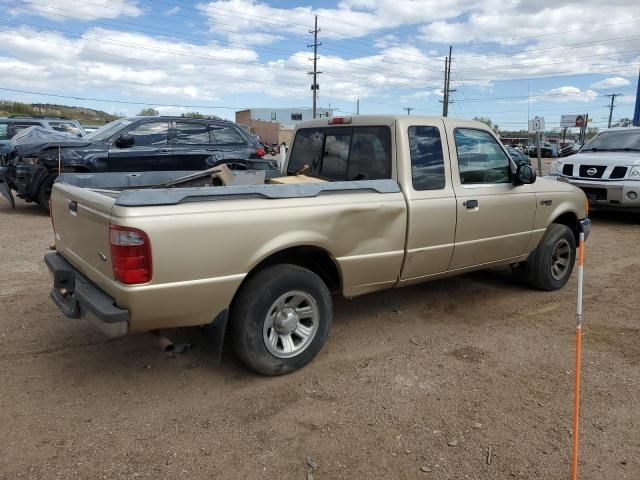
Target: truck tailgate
<point>81,223</point>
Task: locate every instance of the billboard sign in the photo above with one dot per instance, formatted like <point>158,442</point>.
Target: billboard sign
<point>572,121</point>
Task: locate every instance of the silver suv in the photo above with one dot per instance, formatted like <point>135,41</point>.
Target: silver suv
<point>607,169</point>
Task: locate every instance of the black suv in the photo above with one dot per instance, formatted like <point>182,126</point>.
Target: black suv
<point>137,144</point>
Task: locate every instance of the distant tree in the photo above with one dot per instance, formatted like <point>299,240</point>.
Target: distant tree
<point>623,122</point>
<point>486,120</point>
<point>591,132</point>
<point>193,115</point>
<point>148,112</point>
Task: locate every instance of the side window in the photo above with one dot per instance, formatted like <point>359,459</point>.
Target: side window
<point>296,116</point>
<point>427,160</point>
<point>192,133</point>
<point>150,134</point>
<point>18,127</point>
<point>480,158</point>
<point>4,131</point>
<point>226,136</point>
<point>306,150</point>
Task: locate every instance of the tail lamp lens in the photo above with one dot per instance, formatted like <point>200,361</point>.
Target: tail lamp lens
<point>130,255</point>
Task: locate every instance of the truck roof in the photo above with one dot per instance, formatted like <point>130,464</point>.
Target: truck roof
<point>388,120</point>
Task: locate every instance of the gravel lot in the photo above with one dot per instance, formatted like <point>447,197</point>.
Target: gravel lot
<point>413,383</point>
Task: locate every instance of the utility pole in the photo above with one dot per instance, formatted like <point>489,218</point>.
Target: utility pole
<point>636,112</point>
<point>315,73</point>
<point>357,106</point>
<point>447,83</point>
<point>408,109</point>
<point>613,97</point>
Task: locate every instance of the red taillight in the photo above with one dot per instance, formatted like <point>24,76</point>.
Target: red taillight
<point>339,120</point>
<point>130,255</point>
<point>260,152</point>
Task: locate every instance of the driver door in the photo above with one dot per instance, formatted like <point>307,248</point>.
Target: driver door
<point>495,218</point>
<point>150,150</point>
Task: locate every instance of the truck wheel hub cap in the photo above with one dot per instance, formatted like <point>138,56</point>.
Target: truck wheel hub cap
<point>560,259</point>
<point>286,321</point>
<point>291,324</point>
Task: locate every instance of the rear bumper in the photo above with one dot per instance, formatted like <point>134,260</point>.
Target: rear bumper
<point>619,194</point>
<point>76,297</point>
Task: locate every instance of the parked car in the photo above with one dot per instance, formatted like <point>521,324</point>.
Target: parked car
<point>517,155</point>
<point>10,126</point>
<point>386,203</point>
<point>570,150</point>
<point>607,169</point>
<point>136,144</point>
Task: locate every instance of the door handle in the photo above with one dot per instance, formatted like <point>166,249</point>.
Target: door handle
<point>73,207</point>
<point>470,204</point>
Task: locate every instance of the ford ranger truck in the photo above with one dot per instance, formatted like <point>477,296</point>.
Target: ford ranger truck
<point>392,201</point>
<point>607,169</point>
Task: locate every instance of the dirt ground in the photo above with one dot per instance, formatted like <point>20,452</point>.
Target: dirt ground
<point>413,383</point>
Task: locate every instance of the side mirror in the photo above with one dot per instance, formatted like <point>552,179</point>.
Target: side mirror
<point>125,141</point>
<point>524,175</point>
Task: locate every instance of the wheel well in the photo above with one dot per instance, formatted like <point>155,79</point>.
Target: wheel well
<point>569,219</point>
<point>312,258</point>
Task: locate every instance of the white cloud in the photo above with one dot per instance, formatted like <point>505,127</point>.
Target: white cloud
<point>62,10</point>
<point>172,11</point>
<point>610,83</point>
<point>566,94</point>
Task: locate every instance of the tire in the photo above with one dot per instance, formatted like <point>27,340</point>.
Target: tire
<point>550,265</point>
<point>44,192</point>
<point>267,334</point>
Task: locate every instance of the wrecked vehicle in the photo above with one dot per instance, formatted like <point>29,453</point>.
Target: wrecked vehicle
<point>137,144</point>
<point>386,201</point>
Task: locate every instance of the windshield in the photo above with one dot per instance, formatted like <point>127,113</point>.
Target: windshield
<point>109,129</point>
<point>628,139</point>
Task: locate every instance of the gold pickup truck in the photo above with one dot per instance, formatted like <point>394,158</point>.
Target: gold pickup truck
<point>389,201</point>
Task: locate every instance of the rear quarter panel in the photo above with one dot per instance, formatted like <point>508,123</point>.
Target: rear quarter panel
<point>202,251</point>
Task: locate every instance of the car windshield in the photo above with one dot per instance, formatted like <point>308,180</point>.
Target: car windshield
<point>627,139</point>
<point>109,129</point>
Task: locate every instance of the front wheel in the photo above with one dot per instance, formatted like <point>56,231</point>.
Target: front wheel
<point>281,319</point>
<point>44,192</point>
<point>550,265</point>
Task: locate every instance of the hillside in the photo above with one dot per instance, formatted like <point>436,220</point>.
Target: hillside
<point>84,115</point>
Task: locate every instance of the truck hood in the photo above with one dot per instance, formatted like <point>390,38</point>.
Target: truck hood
<point>626,159</point>
<point>34,140</point>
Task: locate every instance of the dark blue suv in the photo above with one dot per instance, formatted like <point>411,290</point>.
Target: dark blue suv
<point>136,144</point>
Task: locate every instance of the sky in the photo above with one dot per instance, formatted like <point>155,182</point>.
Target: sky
<point>512,59</point>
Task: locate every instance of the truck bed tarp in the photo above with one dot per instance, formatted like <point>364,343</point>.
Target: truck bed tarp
<point>36,139</point>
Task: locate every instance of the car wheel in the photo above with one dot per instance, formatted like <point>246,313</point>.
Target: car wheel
<point>44,192</point>
<point>280,319</point>
<point>550,265</point>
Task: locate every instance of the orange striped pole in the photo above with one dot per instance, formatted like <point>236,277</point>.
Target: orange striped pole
<point>576,385</point>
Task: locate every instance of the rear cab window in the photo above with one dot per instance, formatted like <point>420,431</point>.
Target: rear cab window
<point>342,153</point>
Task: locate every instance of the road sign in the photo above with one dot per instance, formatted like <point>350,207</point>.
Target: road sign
<point>536,125</point>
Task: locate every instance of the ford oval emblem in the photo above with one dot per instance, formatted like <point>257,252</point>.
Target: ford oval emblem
<point>591,172</point>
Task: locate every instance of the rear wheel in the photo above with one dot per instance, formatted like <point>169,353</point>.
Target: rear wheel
<point>550,265</point>
<point>281,319</point>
